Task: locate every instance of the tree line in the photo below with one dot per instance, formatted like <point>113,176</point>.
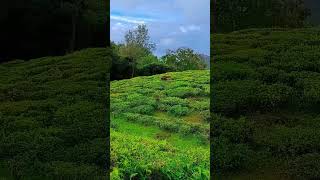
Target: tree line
<point>134,57</point>
<point>36,28</point>
<point>241,14</point>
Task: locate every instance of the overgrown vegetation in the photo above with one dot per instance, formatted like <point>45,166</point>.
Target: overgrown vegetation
<point>265,103</point>
<point>52,116</point>
<point>160,126</point>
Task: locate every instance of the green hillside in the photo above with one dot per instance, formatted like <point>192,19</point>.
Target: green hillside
<point>52,116</point>
<point>160,126</point>
<point>266,104</point>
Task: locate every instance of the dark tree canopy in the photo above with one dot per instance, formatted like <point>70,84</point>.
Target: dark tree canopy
<point>36,28</point>
<point>241,14</point>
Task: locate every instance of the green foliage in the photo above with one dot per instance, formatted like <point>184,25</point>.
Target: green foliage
<point>52,115</point>
<point>157,159</point>
<point>140,38</point>
<point>305,167</point>
<point>184,59</point>
<point>229,156</point>
<point>178,110</point>
<point>135,58</point>
<point>149,69</point>
<point>143,109</point>
<point>137,47</point>
<point>290,141</point>
<point>160,145</point>
<point>265,101</point>
<point>235,15</point>
<point>184,92</point>
<point>146,60</point>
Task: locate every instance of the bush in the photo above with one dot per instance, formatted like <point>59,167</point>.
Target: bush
<point>233,97</point>
<point>156,103</point>
<point>305,166</point>
<point>271,77</point>
<point>143,109</point>
<point>228,156</point>
<point>232,71</point>
<point>290,141</point>
<point>67,170</point>
<point>49,105</point>
<point>178,110</point>
<point>140,158</point>
<point>171,101</point>
<point>271,97</point>
<point>234,130</point>
<point>184,92</point>
<point>154,68</point>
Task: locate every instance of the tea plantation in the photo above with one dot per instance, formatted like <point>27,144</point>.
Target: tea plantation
<point>52,116</point>
<point>266,104</point>
<point>160,126</point>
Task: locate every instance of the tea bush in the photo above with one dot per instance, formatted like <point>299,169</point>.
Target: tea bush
<point>305,166</point>
<point>291,141</point>
<point>156,159</point>
<point>166,114</point>
<point>178,110</point>
<point>52,115</point>
<point>265,100</point>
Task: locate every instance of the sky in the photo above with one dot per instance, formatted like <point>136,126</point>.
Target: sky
<point>171,23</point>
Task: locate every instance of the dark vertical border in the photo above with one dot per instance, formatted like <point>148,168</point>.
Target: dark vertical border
<point>212,30</point>
<point>107,111</point>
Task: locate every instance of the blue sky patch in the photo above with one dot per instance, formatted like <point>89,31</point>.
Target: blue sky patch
<point>171,23</point>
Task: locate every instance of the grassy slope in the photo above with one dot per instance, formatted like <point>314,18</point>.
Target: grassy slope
<point>266,86</point>
<point>52,115</point>
<point>160,126</point>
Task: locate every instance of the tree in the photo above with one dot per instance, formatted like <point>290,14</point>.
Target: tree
<point>184,59</point>
<point>140,37</point>
<point>137,45</point>
<point>132,53</point>
<point>146,60</point>
<point>290,13</point>
<point>37,28</point>
<point>240,14</point>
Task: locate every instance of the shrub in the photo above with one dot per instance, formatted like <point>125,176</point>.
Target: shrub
<point>143,109</point>
<point>171,101</point>
<point>234,130</point>
<point>232,97</point>
<point>60,169</point>
<point>232,71</point>
<point>139,99</point>
<point>178,110</point>
<point>154,68</point>
<point>228,156</point>
<point>271,97</point>
<point>201,105</point>
<point>183,92</point>
<point>290,141</point>
<point>305,167</point>
<point>141,158</point>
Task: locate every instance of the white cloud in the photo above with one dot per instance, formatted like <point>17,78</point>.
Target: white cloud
<point>133,20</point>
<point>185,29</point>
